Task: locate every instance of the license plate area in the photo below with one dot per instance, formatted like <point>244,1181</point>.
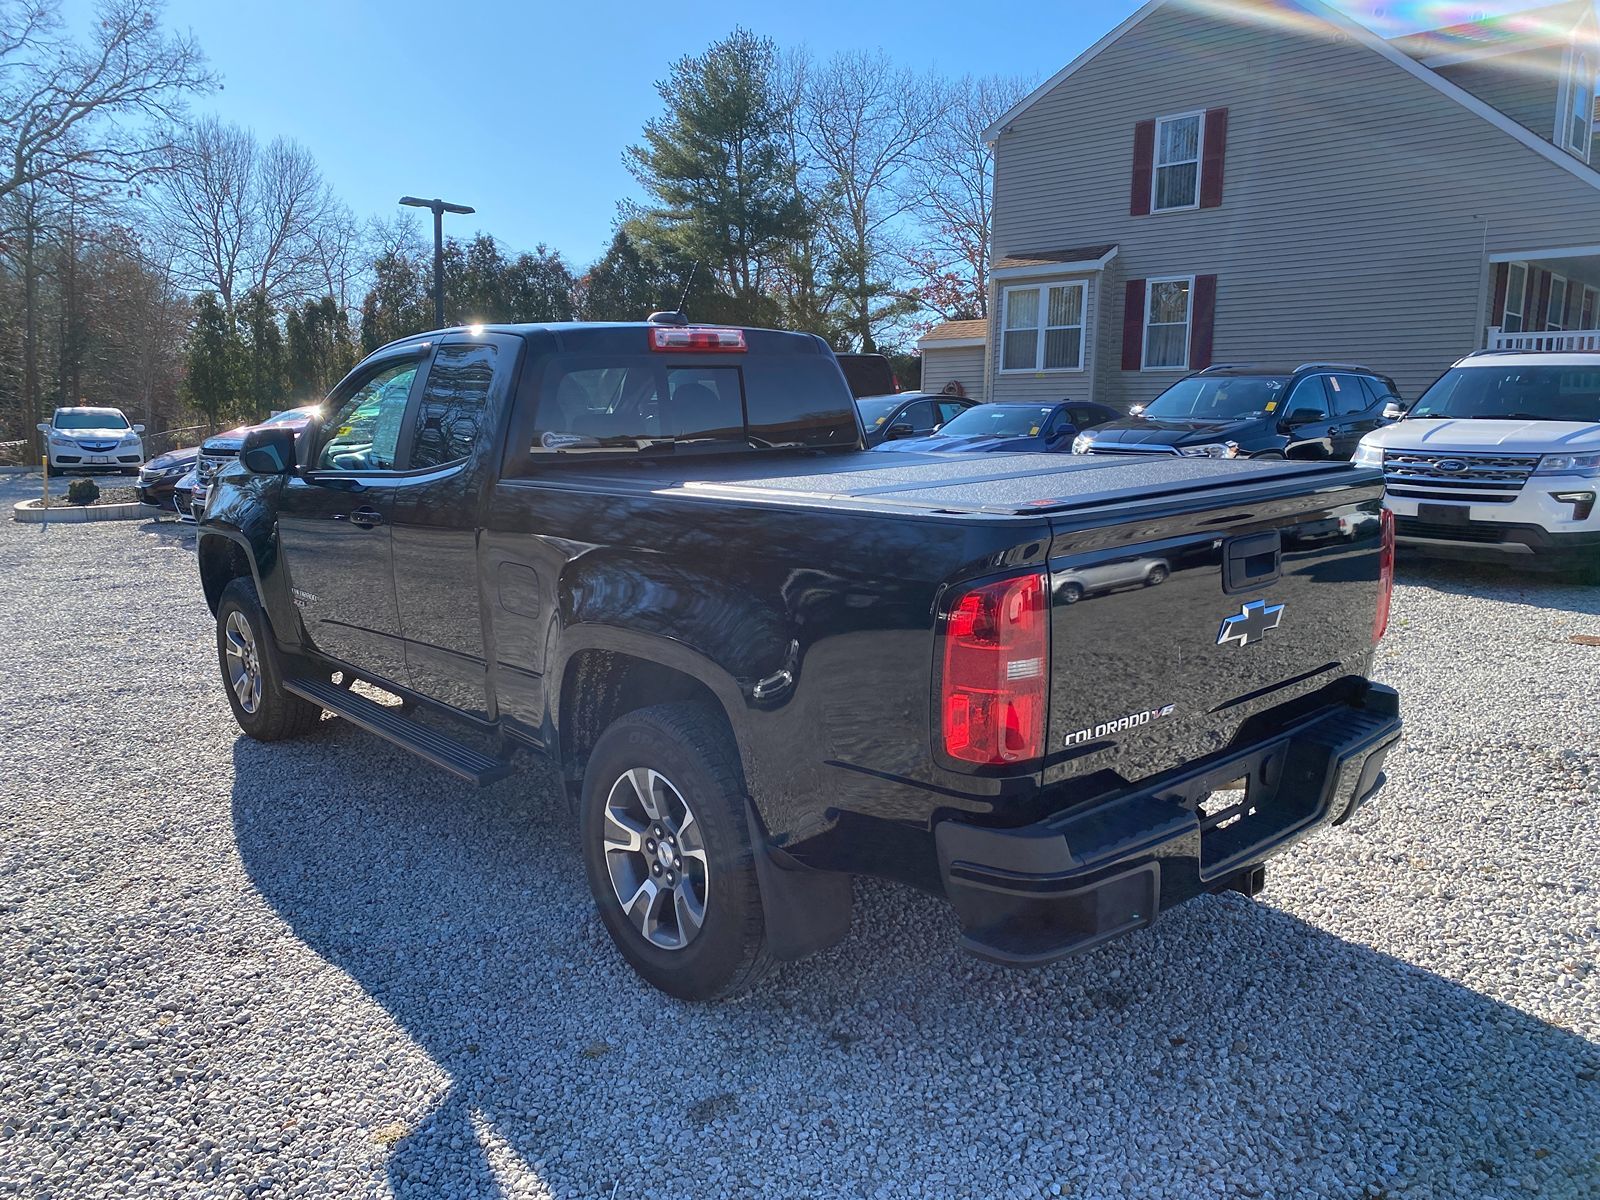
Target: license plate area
<point>1444,514</point>
<point>1249,807</point>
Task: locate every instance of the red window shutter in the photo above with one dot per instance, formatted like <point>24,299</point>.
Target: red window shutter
<point>1535,318</point>
<point>1144,159</point>
<point>1502,280</point>
<point>1202,321</point>
<point>1212,156</point>
<point>1133,325</point>
<point>1574,290</point>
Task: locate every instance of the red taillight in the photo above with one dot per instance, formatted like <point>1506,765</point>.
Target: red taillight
<point>696,339</point>
<point>1380,620</point>
<point>992,692</point>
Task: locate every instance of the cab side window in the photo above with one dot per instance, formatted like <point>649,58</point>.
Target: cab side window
<point>1349,397</point>
<point>1309,400</point>
<point>454,409</point>
<point>949,410</point>
<point>364,434</point>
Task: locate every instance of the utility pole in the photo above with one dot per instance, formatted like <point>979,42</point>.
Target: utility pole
<point>439,208</point>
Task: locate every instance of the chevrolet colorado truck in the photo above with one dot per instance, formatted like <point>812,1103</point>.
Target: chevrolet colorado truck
<point>765,660</point>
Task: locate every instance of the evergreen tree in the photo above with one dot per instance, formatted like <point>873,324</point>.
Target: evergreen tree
<point>265,371</point>
<point>398,304</point>
<point>213,382</point>
<point>719,165</point>
<point>321,351</point>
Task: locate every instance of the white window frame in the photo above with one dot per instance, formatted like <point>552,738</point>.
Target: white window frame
<point>1199,161</point>
<point>1188,323</point>
<point>1521,313</point>
<point>1569,110</point>
<point>1554,323</point>
<point>1042,329</point>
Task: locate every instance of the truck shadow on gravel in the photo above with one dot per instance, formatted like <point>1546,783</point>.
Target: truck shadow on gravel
<point>1233,1049</point>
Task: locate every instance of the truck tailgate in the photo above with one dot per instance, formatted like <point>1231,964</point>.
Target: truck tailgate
<point>1168,634</point>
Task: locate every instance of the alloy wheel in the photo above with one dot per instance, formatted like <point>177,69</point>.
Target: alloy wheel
<point>656,858</point>
<point>243,661</point>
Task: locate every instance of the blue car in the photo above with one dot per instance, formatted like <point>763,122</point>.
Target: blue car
<point>1014,427</point>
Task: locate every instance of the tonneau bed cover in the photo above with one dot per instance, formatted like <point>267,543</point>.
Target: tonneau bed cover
<point>989,484</point>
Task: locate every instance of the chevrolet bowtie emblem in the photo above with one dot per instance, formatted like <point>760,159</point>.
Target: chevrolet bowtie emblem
<point>1251,623</point>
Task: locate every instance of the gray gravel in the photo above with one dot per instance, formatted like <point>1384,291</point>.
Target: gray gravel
<point>321,969</point>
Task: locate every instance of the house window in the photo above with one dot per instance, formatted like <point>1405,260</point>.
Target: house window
<point>1516,298</point>
<point>1578,120</point>
<point>1555,313</point>
<point>1176,183</point>
<point>1043,328</point>
<point>1166,323</point>
<point>1591,309</point>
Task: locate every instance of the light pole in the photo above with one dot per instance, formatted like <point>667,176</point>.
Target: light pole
<point>439,207</point>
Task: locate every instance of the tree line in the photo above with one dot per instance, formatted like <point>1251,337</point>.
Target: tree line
<point>189,272</point>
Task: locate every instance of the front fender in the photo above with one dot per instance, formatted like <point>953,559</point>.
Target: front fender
<point>242,513</point>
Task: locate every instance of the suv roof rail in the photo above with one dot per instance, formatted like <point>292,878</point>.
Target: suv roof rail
<point>1525,350</point>
<point>1224,367</point>
<point>1342,366</point>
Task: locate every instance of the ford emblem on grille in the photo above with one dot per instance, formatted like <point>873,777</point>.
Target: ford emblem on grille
<point>1250,623</point>
<point>1453,465</point>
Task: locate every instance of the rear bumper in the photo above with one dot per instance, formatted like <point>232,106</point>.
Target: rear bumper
<point>1075,880</point>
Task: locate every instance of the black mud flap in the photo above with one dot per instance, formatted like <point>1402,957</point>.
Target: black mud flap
<point>805,910</point>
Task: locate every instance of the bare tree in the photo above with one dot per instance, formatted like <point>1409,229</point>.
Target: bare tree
<point>239,218</point>
<point>951,182</point>
<point>342,256</point>
<point>95,115</point>
<point>864,121</point>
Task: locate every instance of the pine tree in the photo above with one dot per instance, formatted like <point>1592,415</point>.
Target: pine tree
<point>213,383</point>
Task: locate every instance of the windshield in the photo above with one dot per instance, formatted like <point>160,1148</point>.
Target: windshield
<point>875,410</point>
<point>89,418</point>
<point>1533,393</point>
<point>999,420</point>
<point>1219,397</point>
<point>308,413</point>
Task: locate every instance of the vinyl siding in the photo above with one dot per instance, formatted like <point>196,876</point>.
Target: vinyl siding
<point>1523,86</point>
<point>961,363</point>
<point>1358,203</point>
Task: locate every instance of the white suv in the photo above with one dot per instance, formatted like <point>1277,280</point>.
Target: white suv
<point>1499,460</point>
<point>83,439</point>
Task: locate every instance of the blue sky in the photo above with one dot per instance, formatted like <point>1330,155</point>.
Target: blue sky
<point>523,110</point>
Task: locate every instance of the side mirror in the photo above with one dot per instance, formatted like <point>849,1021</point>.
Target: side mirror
<point>1135,410</point>
<point>902,430</point>
<point>268,451</point>
<point>1393,411</point>
<point>138,428</point>
<point>43,426</point>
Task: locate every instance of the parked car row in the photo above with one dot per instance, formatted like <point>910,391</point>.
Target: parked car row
<point>1498,461</point>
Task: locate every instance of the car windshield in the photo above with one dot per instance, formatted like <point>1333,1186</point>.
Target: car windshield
<point>89,418</point>
<point>875,410</point>
<point>999,420</point>
<point>308,413</point>
<point>1534,393</point>
<point>1219,397</point>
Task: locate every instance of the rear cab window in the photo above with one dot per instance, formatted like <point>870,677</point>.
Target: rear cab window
<point>610,405</point>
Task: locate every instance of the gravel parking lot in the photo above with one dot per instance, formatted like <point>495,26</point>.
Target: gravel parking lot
<point>321,969</point>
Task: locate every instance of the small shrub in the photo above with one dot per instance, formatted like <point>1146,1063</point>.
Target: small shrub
<point>83,491</point>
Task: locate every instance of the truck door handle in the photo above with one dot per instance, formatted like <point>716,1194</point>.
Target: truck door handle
<point>366,517</point>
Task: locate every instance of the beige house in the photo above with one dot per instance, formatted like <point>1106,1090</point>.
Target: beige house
<point>1269,181</point>
<point>954,353</point>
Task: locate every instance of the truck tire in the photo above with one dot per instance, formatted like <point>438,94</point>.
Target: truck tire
<point>666,848</point>
<point>251,674</point>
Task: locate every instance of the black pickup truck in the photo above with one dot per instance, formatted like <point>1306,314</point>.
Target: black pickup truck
<point>1064,692</point>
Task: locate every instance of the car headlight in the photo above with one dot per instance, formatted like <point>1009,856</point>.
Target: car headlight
<point>130,439</point>
<point>60,439</point>
<point>1211,450</point>
<point>1368,454</point>
<point>1081,443</point>
<point>1569,464</point>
